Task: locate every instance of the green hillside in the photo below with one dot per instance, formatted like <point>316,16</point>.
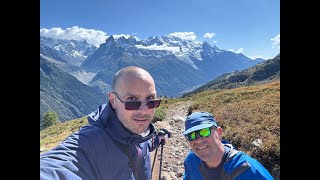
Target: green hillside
<point>245,114</point>
<point>52,135</point>
<point>64,94</point>
<point>264,72</point>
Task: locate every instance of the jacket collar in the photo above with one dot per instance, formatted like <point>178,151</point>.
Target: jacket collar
<point>106,118</point>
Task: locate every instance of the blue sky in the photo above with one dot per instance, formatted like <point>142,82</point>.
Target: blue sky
<point>251,27</point>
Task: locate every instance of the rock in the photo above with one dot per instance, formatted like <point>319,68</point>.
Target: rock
<point>257,143</point>
<point>42,149</point>
<point>165,176</point>
<point>177,118</point>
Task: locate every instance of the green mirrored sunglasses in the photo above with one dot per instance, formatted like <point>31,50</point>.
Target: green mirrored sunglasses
<point>202,133</point>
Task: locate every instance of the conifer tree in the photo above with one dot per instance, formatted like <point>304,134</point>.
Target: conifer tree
<point>50,118</point>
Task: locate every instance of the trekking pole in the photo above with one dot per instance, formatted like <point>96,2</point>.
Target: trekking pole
<point>154,160</point>
<point>162,143</point>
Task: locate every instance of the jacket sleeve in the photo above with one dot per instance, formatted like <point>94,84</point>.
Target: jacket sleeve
<point>67,161</point>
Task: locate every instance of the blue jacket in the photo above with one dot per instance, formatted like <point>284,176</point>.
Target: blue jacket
<point>237,166</point>
<point>102,150</point>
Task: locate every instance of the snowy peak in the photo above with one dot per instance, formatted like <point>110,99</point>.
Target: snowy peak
<point>183,48</point>
<point>109,42</point>
<point>72,51</point>
<point>153,40</point>
<point>130,41</point>
<point>186,50</point>
<point>180,57</point>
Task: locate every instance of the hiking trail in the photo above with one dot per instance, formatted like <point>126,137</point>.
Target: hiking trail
<point>176,148</point>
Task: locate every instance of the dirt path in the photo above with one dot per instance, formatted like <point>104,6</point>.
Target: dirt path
<point>176,149</point>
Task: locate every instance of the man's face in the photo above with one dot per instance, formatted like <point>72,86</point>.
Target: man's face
<point>133,88</point>
<point>208,148</point>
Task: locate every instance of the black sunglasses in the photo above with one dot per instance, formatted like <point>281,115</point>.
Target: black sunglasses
<point>135,105</point>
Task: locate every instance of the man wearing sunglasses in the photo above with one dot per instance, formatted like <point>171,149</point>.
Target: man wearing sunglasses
<point>211,158</point>
<point>117,141</point>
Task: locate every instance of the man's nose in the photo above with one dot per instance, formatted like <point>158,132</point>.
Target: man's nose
<point>143,106</point>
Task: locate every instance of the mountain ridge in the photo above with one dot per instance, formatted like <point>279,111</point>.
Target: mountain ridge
<point>174,63</point>
<point>263,72</point>
<point>202,61</point>
<point>64,94</point>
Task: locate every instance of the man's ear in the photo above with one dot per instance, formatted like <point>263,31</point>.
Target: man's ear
<point>219,131</point>
<point>112,100</point>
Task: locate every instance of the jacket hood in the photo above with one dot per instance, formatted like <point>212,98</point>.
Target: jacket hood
<point>105,117</point>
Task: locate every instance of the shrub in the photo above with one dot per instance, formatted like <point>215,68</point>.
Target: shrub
<point>159,115</point>
<point>50,118</point>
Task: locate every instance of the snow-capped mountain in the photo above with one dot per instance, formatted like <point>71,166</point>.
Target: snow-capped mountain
<point>172,54</point>
<point>72,51</point>
<point>177,64</point>
<point>68,55</point>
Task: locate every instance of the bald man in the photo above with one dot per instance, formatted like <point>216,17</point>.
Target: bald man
<point>118,138</point>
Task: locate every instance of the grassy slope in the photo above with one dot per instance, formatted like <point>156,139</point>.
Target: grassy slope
<point>245,113</point>
<point>51,136</point>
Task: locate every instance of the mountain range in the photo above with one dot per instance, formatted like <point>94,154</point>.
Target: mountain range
<point>264,72</point>
<point>176,64</point>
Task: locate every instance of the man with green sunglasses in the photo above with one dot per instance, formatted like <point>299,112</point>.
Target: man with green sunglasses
<point>211,158</point>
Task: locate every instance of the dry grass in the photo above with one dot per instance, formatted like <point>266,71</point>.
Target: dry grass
<point>53,135</point>
<point>246,114</point>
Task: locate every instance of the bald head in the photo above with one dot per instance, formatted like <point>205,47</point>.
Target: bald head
<point>129,73</point>
<point>133,84</point>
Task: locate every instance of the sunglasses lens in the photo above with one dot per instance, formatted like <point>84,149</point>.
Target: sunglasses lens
<point>132,105</point>
<point>135,105</point>
<point>153,104</point>
<point>191,136</point>
<point>205,132</point>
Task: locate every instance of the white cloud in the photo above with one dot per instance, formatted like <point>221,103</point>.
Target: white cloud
<point>214,41</point>
<point>255,57</point>
<point>162,47</point>
<point>238,51</point>
<point>276,41</point>
<point>117,36</point>
<point>185,35</point>
<point>92,36</point>
<point>209,35</point>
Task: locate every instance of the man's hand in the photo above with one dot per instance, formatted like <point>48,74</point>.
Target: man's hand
<point>163,134</point>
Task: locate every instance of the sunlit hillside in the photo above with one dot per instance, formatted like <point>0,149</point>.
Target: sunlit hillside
<point>246,114</point>
<point>52,135</point>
